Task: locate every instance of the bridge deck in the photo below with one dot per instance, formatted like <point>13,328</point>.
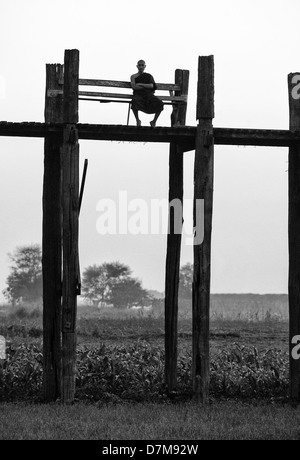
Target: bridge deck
<point>183,135</point>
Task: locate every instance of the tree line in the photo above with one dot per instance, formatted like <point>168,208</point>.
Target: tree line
<point>109,283</point>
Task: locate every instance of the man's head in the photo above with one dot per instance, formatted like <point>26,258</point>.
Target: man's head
<point>141,65</point>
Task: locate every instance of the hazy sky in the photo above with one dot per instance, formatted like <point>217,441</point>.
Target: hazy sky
<point>255,45</point>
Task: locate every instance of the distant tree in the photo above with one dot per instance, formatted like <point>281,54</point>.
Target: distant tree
<point>128,292</point>
<point>116,270</point>
<point>186,281</point>
<point>94,284</point>
<point>112,283</point>
<point>25,279</point>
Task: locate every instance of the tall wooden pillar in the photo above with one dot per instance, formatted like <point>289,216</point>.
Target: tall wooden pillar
<point>174,239</point>
<point>203,190</point>
<point>51,239</point>
<point>294,236</point>
<point>70,171</point>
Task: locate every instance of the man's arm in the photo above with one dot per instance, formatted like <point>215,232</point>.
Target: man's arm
<point>146,85</point>
<point>137,86</point>
<point>151,84</point>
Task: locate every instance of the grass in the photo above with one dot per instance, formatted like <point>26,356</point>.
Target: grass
<point>225,420</point>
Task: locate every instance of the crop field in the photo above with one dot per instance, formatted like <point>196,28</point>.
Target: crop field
<point>120,353</point>
<point>120,370</point>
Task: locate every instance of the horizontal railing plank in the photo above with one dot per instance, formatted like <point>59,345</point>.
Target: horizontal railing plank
<point>113,100</point>
<point>129,96</point>
<point>125,84</point>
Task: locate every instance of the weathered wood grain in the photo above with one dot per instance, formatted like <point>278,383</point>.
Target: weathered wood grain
<point>203,190</point>
<point>174,241</point>
<point>70,190</point>
<point>128,96</point>
<point>182,134</point>
<point>51,241</point>
<point>124,84</point>
<point>294,239</point>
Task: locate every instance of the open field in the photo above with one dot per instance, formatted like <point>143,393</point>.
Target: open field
<point>120,371</point>
<point>245,319</point>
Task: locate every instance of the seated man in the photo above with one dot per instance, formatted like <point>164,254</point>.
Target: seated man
<point>143,99</point>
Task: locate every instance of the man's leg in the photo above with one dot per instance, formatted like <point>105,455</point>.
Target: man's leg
<point>136,114</point>
<point>153,122</point>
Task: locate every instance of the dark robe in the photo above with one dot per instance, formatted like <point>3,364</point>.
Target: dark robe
<point>144,99</point>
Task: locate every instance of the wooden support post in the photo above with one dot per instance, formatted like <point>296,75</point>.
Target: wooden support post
<point>294,236</point>
<point>51,240</point>
<point>203,190</point>
<point>70,170</point>
<point>174,240</point>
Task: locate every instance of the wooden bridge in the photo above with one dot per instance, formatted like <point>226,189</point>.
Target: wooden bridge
<point>183,135</point>
<point>61,272</point>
